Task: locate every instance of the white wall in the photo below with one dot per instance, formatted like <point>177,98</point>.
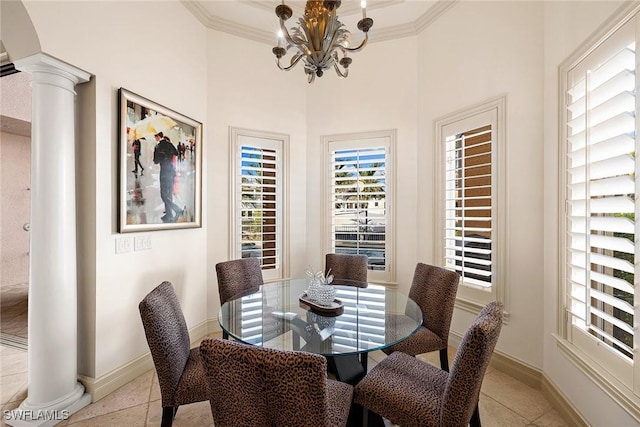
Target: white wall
<point>155,49</point>
<point>15,164</point>
<point>474,52</point>
<point>15,177</point>
<point>247,90</point>
<point>567,26</point>
<point>15,100</point>
<point>379,94</point>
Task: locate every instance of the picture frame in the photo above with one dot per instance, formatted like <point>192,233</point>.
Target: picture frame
<point>160,166</point>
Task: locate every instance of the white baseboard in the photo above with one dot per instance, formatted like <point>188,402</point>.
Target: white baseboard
<point>535,378</point>
<point>108,383</point>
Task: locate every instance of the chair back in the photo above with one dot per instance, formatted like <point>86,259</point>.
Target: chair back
<point>255,386</point>
<point>237,277</point>
<point>167,337</point>
<point>347,266</point>
<point>434,290</point>
<point>469,366</point>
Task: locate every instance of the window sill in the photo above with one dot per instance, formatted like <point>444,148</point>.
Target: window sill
<point>609,384</point>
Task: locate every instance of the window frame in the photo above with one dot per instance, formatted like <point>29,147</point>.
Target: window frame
<point>605,368</point>
<point>355,141</point>
<point>272,140</point>
<point>470,297</point>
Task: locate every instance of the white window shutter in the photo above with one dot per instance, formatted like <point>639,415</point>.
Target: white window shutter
<point>258,221</point>
<point>469,205</point>
<point>601,192</point>
<point>358,203</point>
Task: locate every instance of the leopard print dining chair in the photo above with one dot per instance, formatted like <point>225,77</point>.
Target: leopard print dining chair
<point>434,290</point>
<point>410,392</point>
<point>180,370</point>
<point>255,386</point>
<point>347,266</point>
<point>236,278</point>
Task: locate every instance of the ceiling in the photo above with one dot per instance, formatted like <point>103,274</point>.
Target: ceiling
<point>256,19</point>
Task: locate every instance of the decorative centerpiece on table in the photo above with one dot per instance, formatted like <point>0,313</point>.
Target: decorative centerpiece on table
<point>320,289</point>
<point>321,295</point>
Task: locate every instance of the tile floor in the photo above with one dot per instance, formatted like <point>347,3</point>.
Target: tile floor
<point>13,314</point>
<point>503,401</point>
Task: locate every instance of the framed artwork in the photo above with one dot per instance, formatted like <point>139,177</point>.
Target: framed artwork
<point>160,166</point>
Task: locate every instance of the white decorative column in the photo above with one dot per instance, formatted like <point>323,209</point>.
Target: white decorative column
<point>54,391</point>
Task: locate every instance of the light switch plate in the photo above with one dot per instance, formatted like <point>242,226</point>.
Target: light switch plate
<point>124,244</point>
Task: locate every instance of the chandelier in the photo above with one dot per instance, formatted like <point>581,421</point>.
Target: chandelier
<point>320,40</point>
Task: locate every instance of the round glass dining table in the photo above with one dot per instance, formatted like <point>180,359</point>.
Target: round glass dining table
<point>372,317</point>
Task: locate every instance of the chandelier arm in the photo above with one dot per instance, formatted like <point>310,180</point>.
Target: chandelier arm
<point>362,45</point>
<point>290,66</point>
<point>340,73</point>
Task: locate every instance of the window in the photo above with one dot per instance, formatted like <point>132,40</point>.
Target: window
<point>360,208</point>
<point>258,214</point>
<point>469,153</point>
<point>599,174</point>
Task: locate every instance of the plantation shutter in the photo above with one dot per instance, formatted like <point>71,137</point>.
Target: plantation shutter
<point>469,205</point>
<point>358,203</point>
<point>259,199</point>
<point>601,205</point>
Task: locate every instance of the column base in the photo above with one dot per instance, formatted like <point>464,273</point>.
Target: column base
<point>48,415</point>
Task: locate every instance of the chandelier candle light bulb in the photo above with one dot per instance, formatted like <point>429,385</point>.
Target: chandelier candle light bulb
<point>280,39</point>
<point>320,40</point>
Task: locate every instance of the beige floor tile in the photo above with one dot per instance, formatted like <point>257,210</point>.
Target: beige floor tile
<point>495,414</point>
<point>135,393</point>
<point>376,356</point>
<point>517,396</point>
<point>550,419</point>
<point>13,361</point>
<point>130,417</point>
<point>13,388</point>
<point>155,389</point>
<point>194,414</point>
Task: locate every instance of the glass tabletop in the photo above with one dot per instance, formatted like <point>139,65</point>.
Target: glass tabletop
<point>374,317</point>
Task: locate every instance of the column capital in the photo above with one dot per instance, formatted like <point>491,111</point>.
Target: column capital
<point>41,62</point>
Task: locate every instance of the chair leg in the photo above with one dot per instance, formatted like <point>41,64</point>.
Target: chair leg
<point>225,335</point>
<point>444,359</point>
<point>168,414</point>
<point>475,418</point>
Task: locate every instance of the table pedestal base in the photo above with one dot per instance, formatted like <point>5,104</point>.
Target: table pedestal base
<point>348,368</point>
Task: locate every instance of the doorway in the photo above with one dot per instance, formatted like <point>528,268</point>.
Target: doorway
<point>15,175</point>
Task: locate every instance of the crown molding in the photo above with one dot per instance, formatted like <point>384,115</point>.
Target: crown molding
<point>377,34</point>
<point>394,32</point>
<point>226,26</point>
<point>432,14</point>
<point>347,8</point>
